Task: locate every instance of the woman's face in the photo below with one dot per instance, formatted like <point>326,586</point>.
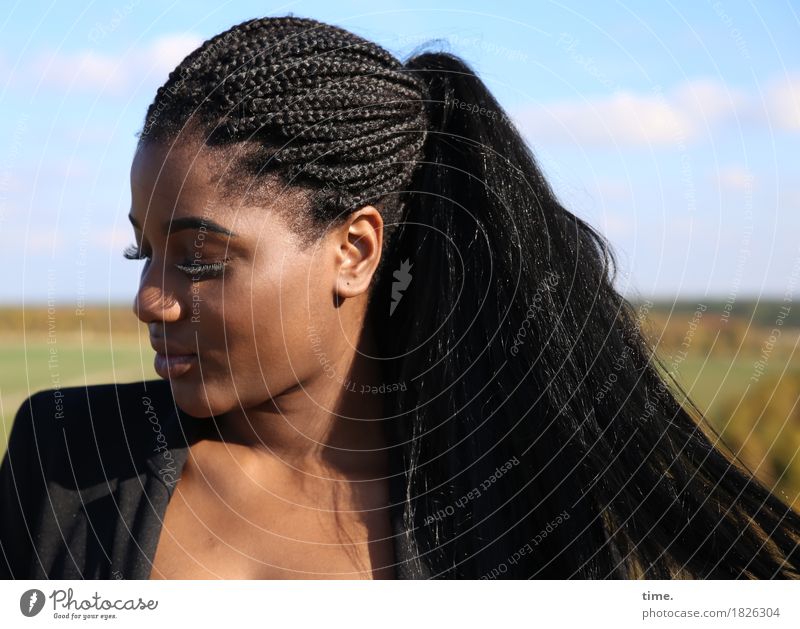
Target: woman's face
<point>237,312</point>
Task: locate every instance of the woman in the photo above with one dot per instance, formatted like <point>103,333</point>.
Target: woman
<point>391,353</point>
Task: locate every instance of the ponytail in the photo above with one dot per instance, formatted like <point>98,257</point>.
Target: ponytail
<point>496,312</point>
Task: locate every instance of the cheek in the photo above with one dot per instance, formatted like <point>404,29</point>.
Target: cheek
<point>271,329</point>
<point>259,338</point>
<point>286,322</point>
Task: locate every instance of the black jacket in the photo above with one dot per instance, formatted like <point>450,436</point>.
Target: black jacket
<point>86,480</point>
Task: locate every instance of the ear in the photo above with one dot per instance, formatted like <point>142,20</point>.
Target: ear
<point>359,244</point>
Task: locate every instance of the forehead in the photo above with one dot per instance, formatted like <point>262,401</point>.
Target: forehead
<point>174,184</point>
<point>166,174</point>
<point>186,180</point>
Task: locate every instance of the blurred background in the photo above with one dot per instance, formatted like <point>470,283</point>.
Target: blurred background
<point>674,128</point>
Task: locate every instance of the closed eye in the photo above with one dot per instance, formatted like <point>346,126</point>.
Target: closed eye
<point>195,269</point>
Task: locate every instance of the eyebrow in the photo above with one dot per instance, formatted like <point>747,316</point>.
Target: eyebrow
<point>189,222</point>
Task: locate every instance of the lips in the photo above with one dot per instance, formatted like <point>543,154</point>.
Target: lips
<point>171,361</point>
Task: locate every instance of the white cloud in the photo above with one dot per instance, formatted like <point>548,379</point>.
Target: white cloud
<point>735,178</point>
<point>622,118</point>
<point>92,70</point>
<point>684,114</point>
<point>167,52</point>
<point>84,69</point>
<point>707,101</point>
<point>783,102</point>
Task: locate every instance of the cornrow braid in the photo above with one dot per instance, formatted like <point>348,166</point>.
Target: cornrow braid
<point>318,105</point>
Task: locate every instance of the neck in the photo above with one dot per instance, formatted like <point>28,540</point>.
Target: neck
<point>331,424</point>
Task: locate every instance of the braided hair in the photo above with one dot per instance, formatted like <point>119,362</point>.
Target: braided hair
<point>313,103</point>
<point>521,456</point>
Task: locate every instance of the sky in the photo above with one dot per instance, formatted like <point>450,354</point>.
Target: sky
<point>671,127</point>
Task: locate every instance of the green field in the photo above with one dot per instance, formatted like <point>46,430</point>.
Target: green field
<point>28,367</point>
<point>41,349</point>
<point>711,381</point>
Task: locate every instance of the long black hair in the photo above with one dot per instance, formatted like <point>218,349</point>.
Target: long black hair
<point>538,433</point>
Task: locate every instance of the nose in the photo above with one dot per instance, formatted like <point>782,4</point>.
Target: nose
<point>153,303</point>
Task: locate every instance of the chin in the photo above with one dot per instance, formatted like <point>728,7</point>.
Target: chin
<point>192,399</point>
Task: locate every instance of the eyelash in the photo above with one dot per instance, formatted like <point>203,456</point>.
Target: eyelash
<point>194,270</point>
